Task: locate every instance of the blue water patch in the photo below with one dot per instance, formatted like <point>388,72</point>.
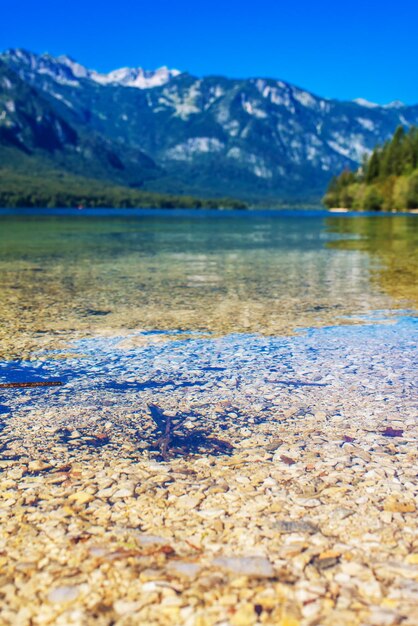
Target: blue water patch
<point>370,367</point>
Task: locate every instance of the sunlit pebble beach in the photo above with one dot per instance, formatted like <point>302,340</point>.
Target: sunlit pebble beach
<point>309,520</point>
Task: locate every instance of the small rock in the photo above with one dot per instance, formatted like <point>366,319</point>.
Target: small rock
<point>38,466</point>
<point>123,607</point>
<point>183,568</point>
<point>288,620</point>
<point>341,513</point>
<point>151,539</point>
<point>296,526</point>
<point>122,493</point>
<point>287,459</point>
<point>246,565</point>
<point>80,497</point>
<point>412,559</point>
<point>398,504</point>
<point>189,502</point>
<point>327,559</point>
<point>273,445</point>
<point>63,594</point>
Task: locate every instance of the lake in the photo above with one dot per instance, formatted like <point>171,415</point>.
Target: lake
<point>233,423</point>
<point>183,307</point>
<point>68,273</point>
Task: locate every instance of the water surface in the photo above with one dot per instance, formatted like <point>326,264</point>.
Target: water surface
<point>236,318</point>
<point>283,346</point>
<point>68,274</point>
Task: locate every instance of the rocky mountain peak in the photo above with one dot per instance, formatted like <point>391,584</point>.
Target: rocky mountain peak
<point>65,70</point>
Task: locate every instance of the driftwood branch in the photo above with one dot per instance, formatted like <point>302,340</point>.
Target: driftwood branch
<point>165,440</point>
<point>23,385</point>
<point>182,443</point>
<point>165,425</point>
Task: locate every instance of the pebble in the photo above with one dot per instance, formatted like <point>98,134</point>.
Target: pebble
<point>183,568</point>
<point>80,497</point>
<point>63,594</point>
<point>246,565</point>
<point>296,526</point>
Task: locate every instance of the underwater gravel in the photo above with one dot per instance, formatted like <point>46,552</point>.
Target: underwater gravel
<point>309,520</point>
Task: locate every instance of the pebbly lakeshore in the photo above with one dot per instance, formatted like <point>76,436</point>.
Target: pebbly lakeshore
<point>308,517</point>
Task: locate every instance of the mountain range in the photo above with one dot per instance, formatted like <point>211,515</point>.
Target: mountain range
<point>260,139</point>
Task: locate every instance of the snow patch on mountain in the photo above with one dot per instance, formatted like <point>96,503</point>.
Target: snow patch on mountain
<point>223,116</point>
<point>252,109</point>
<point>311,153</point>
<point>279,95</point>
<point>195,145</point>
<point>344,150</point>
<point>79,71</point>
<point>255,164</point>
<point>396,104</point>
<point>262,172</point>
<point>10,106</point>
<point>404,121</point>
<point>366,103</point>
<point>184,102</point>
<point>136,77</point>
<point>352,146</point>
<point>304,98</point>
<point>216,92</point>
<point>231,127</point>
<point>61,98</point>
<point>367,124</point>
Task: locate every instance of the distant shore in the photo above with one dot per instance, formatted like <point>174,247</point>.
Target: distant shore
<point>57,190</point>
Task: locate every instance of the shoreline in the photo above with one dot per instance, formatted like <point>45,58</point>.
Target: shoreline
<point>198,211</point>
<point>310,519</point>
<point>308,528</point>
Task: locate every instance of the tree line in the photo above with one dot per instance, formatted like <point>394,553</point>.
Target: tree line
<point>63,191</point>
<point>387,179</point>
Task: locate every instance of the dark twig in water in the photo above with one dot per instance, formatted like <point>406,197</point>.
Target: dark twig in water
<point>23,385</point>
<point>165,425</point>
<point>184,443</point>
<point>166,439</point>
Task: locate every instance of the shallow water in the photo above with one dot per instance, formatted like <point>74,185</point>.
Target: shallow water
<point>285,343</point>
<point>192,309</point>
<point>225,383</point>
<point>68,274</point>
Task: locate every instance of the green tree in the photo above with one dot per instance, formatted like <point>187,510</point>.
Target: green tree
<point>400,193</point>
<point>412,192</point>
<point>373,167</point>
<point>373,200</point>
<point>386,180</point>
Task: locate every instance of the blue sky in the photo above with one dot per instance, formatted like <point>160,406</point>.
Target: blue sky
<point>335,49</point>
